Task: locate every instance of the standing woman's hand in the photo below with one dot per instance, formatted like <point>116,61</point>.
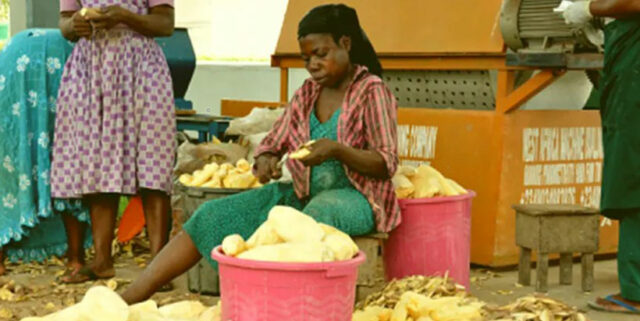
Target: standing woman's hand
<point>81,26</point>
<point>109,17</point>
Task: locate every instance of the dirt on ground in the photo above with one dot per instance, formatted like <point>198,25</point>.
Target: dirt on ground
<point>32,289</point>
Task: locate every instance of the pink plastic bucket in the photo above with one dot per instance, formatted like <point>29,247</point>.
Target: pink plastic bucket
<point>433,239</point>
<point>272,291</point>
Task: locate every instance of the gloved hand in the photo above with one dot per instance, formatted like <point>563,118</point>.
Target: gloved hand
<point>578,13</point>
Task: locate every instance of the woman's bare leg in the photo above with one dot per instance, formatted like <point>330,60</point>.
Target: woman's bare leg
<point>75,241</point>
<point>156,211</point>
<point>177,257</point>
<point>104,209</point>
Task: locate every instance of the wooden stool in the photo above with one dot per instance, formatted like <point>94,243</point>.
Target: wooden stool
<point>371,272</point>
<point>563,229</point>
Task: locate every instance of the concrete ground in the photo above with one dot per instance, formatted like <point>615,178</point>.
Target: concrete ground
<point>501,288</point>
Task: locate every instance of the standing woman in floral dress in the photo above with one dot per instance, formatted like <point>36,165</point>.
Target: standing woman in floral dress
<point>115,130</point>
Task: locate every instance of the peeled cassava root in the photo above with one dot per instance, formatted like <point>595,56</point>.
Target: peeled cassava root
<point>417,307</point>
<point>103,304</point>
<point>303,151</point>
<point>300,153</point>
<point>90,13</point>
<point>414,306</point>
<point>233,245</point>
<point>419,298</point>
<point>424,181</point>
<point>276,241</point>
<point>222,176</point>
<point>290,252</point>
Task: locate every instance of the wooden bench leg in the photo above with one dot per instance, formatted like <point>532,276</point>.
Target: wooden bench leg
<point>524,266</point>
<point>542,272</point>
<point>566,268</point>
<point>587,272</point>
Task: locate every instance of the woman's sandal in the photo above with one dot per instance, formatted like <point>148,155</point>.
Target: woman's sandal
<point>81,275</point>
<point>627,308</point>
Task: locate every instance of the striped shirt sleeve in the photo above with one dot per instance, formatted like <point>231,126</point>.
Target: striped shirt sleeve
<point>277,140</point>
<point>380,118</point>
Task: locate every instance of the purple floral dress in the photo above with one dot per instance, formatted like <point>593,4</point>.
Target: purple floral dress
<point>115,125</point>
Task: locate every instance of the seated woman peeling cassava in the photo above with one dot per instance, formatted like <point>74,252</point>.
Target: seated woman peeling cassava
<point>345,181</point>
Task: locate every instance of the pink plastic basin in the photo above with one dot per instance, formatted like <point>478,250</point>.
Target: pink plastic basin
<point>433,239</point>
<point>273,291</point>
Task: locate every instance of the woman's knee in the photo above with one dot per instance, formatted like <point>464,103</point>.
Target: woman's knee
<point>321,215</point>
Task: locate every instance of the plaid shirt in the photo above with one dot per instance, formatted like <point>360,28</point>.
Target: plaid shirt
<point>367,121</point>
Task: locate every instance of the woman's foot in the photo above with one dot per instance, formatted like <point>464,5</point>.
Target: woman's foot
<point>71,270</point>
<point>615,304</point>
<point>74,265</point>
<point>86,274</point>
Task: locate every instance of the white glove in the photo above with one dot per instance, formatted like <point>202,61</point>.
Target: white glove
<point>578,13</point>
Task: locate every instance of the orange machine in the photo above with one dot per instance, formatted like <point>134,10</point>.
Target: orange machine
<point>460,90</point>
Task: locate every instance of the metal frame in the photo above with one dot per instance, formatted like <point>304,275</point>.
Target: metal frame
<point>508,98</point>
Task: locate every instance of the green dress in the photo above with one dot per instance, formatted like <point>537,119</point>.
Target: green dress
<point>620,110</point>
<point>333,201</point>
